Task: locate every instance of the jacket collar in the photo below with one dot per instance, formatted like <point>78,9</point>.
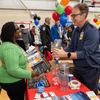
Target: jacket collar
<point>77,28</point>
<point>57,26</point>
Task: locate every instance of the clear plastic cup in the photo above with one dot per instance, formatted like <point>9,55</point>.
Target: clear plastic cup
<point>57,43</point>
<point>64,76</point>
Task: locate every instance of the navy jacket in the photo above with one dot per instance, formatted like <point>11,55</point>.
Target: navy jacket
<point>99,36</point>
<point>86,46</point>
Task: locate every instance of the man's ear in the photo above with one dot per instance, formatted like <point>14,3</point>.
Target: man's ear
<point>84,15</point>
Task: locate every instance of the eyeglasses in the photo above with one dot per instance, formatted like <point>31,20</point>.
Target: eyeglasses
<point>74,15</point>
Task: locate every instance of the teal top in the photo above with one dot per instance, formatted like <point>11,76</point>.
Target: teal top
<point>14,63</point>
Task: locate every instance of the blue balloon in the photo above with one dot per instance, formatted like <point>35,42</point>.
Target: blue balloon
<point>36,22</point>
<point>64,14</point>
<point>63,20</point>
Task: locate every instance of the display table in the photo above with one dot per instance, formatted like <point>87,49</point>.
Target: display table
<point>30,93</point>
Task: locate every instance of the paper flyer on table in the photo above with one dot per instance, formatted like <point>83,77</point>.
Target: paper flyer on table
<point>77,96</point>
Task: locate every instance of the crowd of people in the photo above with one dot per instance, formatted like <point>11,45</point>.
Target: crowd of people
<point>83,49</point>
<point>48,35</point>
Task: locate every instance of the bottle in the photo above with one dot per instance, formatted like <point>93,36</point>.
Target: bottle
<point>57,44</point>
<point>64,76</point>
<point>56,74</point>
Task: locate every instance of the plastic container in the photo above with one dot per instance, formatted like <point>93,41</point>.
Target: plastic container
<point>56,74</point>
<point>57,43</point>
<point>64,76</point>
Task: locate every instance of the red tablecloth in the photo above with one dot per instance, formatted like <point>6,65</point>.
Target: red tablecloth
<point>30,93</point>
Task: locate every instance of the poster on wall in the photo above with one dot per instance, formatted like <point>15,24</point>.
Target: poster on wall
<point>27,25</point>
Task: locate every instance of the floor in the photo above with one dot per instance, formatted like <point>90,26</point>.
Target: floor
<point>3,94</point>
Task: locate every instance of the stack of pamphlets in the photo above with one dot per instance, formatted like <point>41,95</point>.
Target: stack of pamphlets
<point>37,61</point>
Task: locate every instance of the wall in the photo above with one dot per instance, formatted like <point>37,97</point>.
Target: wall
<point>16,16</point>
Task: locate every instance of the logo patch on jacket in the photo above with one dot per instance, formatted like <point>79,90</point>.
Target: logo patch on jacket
<point>43,28</point>
<point>81,35</point>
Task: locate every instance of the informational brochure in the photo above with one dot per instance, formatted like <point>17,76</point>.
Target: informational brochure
<point>77,96</point>
<point>37,61</point>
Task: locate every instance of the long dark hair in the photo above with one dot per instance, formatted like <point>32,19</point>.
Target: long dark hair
<point>69,34</point>
<point>7,32</point>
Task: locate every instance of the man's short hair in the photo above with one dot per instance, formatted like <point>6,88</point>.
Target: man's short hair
<point>22,26</point>
<point>47,19</point>
<point>33,26</point>
<point>83,7</point>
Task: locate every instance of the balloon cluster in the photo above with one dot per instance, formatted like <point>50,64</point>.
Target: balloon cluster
<point>62,11</point>
<point>96,19</point>
<point>35,17</point>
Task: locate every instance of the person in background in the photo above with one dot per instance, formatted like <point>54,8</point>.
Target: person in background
<point>45,34</point>
<point>70,30</point>
<point>21,43</point>
<point>32,32</point>
<point>56,31</point>
<point>25,35</point>
<point>64,37</point>
<point>13,70</point>
<point>83,48</point>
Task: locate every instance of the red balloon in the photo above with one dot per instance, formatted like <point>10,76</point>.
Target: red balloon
<point>68,10</point>
<point>99,14</point>
<point>95,20</point>
<point>55,16</point>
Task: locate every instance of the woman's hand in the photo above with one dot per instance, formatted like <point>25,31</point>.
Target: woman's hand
<point>35,75</point>
<point>57,53</point>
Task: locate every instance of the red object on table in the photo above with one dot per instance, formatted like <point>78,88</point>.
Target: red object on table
<point>30,93</point>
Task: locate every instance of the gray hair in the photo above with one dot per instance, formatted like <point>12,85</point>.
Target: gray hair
<point>83,7</point>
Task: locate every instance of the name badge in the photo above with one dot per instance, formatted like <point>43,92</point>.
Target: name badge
<point>81,35</point>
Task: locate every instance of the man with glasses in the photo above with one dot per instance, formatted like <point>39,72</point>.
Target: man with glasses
<point>83,48</point>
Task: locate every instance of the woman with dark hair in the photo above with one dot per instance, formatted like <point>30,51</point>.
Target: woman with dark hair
<point>13,70</point>
<point>70,30</point>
